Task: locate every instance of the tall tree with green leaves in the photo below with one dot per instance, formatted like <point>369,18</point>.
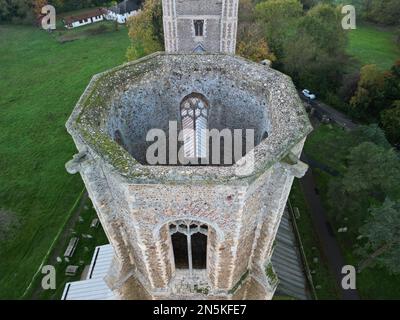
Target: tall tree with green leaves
<point>314,55</point>
<point>323,24</point>
<point>371,175</point>
<point>279,19</point>
<point>390,120</point>
<point>385,12</point>
<point>382,234</point>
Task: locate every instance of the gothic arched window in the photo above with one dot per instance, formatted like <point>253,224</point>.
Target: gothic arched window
<point>189,243</point>
<point>194,113</point>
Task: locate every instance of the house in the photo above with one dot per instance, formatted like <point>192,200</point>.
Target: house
<point>89,17</point>
<point>123,10</point>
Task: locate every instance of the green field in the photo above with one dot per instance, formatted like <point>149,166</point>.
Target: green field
<point>373,45</point>
<point>41,78</point>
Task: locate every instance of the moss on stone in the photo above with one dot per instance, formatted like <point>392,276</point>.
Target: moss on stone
<point>270,273</point>
<point>239,283</point>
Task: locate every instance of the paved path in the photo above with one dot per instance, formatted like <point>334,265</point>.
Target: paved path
<point>330,247</point>
<point>340,118</point>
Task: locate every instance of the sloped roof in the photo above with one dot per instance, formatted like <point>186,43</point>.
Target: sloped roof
<point>94,287</point>
<point>86,15</point>
<point>288,263</point>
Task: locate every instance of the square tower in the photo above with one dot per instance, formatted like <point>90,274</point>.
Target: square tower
<point>200,26</point>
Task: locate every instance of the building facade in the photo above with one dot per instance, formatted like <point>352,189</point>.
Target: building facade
<point>200,25</point>
<point>123,10</point>
<point>90,17</point>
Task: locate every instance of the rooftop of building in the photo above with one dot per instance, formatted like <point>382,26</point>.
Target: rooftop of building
<point>86,15</point>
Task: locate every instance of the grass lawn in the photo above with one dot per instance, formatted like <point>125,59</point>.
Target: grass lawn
<point>82,255</point>
<point>373,45</point>
<point>41,79</point>
<point>330,145</point>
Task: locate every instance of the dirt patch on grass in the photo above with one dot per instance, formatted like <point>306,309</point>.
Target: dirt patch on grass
<point>69,36</point>
<point>9,223</point>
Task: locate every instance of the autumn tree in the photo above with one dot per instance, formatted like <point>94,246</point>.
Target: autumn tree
<point>37,7</point>
<point>251,42</point>
<point>145,30</point>
<point>368,99</point>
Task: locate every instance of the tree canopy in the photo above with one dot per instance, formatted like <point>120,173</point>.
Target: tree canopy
<point>145,31</point>
<point>382,234</point>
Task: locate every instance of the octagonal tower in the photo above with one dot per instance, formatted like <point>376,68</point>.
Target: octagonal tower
<point>189,231</point>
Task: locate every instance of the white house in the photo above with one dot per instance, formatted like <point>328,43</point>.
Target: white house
<point>85,18</point>
<point>123,10</point>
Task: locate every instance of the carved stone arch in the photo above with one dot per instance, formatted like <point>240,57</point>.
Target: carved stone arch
<point>219,233</point>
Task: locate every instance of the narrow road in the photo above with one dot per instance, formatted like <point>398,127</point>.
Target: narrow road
<point>330,247</point>
<point>323,109</point>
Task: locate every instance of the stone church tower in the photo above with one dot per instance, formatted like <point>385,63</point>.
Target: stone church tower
<point>190,231</point>
<point>200,25</point>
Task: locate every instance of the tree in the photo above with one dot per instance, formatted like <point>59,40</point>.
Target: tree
<point>278,18</point>
<point>392,84</point>
<point>372,174</point>
<point>37,7</point>
<point>251,43</point>
<point>368,99</point>
<point>376,91</point>
<point>349,86</point>
<point>313,68</point>
<point>4,10</point>
<point>246,11</point>
<point>145,30</point>
<point>17,11</point>
<point>390,120</point>
<point>308,4</point>
<point>323,24</point>
<point>373,170</point>
<point>314,54</point>
<point>385,12</point>
<point>382,234</point>
<point>371,133</point>
<point>252,47</point>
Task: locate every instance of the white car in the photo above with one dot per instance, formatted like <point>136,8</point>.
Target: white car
<point>308,94</point>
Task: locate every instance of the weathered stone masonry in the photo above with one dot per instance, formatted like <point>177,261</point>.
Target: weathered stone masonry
<point>219,19</point>
<point>136,202</point>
